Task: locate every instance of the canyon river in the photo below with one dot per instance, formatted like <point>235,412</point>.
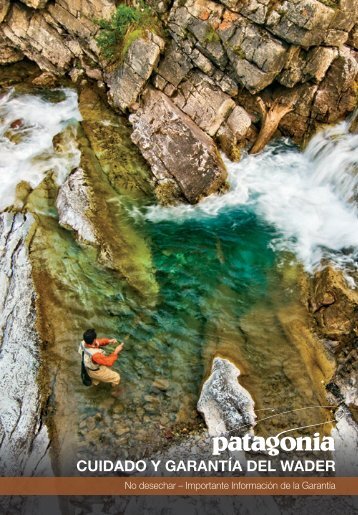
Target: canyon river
<point>221,278</point>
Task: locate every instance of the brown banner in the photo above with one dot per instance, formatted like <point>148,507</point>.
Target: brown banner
<point>178,486</point>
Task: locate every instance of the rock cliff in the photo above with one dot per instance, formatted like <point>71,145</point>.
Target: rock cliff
<point>334,307</point>
<point>24,439</point>
<point>225,70</point>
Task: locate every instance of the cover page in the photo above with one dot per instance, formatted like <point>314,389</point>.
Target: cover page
<point>178,257</point>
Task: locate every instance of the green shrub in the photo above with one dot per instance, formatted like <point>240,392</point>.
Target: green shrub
<point>127,24</point>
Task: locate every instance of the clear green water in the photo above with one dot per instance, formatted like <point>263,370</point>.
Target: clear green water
<point>206,271</point>
<point>222,290</point>
<point>200,266</point>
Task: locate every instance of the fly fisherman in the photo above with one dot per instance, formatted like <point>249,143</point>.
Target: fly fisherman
<point>96,361</point>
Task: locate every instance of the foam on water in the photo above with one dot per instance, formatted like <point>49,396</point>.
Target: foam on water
<point>28,124</point>
<point>308,197</point>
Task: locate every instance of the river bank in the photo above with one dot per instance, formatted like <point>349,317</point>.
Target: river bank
<point>245,304</point>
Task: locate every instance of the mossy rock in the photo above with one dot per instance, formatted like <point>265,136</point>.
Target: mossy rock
<point>109,135</point>
<point>121,247</point>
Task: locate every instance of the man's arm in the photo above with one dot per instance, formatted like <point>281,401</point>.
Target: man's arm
<point>108,361</point>
<point>101,359</point>
<point>101,342</point>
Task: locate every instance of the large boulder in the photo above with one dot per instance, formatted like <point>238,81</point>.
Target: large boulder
<point>226,405</point>
<point>127,81</point>
<point>176,148</point>
<point>74,207</point>
<point>334,306</point>
<point>206,104</point>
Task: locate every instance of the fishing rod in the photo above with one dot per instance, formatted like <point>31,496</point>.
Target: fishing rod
<point>136,322</point>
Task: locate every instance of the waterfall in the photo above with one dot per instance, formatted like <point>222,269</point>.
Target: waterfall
<point>28,124</point>
<point>334,153</point>
<point>308,197</point>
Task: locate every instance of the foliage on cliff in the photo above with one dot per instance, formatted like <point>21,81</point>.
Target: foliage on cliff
<point>126,25</point>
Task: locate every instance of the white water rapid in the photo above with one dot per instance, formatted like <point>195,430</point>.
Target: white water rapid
<point>28,124</point>
<point>309,197</point>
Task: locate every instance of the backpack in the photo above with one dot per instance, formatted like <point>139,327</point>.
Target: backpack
<point>86,380</point>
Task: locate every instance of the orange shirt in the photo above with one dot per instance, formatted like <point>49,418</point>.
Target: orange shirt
<point>102,359</point>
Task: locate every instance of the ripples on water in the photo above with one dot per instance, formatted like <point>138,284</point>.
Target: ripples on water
<point>28,124</point>
<point>216,264</point>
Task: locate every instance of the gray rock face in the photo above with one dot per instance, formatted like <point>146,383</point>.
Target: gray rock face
<point>128,80</point>
<point>176,148</point>
<point>206,104</point>
<point>335,95</point>
<point>57,36</point>
<point>256,56</point>
<point>307,66</point>
<point>227,407</point>
<point>175,65</point>
<point>46,48</point>
<point>73,205</point>
<point>302,22</point>
<point>298,122</point>
<point>218,56</point>
<point>23,439</point>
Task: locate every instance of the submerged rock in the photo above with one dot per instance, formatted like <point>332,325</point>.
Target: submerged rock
<point>109,136</point>
<point>74,206</point>
<point>24,440</point>
<point>225,404</point>
<point>206,104</point>
<point>334,305</point>
<point>88,204</point>
<point>176,148</point>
